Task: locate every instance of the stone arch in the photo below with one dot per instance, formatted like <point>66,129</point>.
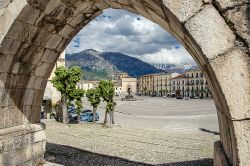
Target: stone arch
<point>34,33</point>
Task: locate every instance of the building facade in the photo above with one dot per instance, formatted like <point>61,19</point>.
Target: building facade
<point>191,84</point>
<point>196,84</point>
<point>145,84</point>
<point>158,84</point>
<point>51,92</point>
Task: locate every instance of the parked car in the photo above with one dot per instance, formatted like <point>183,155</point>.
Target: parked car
<point>84,111</point>
<point>88,117</point>
<point>72,115</point>
<point>179,97</point>
<point>138,94</point>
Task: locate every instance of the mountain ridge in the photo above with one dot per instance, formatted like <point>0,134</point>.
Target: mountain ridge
<point>103,65</point>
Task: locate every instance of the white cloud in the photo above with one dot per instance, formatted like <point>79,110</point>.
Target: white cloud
<point>121,31</point>
<point>169,56</point>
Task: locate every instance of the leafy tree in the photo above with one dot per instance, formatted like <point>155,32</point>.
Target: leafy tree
<point>107,92</point>
<point>77,95</point>
<point>93,96</point>
<point>65,81</point>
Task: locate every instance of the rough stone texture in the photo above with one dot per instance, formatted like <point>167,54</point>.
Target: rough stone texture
<point>23,143</point>
<point>224,4</point>
<point>183,9</point>
<point>219,155</point>
<point>34,33</point>
<point>210,32</point>
<point>239,79</point>
<point>242,134</point>
<point>239,18</point>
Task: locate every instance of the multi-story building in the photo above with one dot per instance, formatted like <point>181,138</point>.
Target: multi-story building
<point>158,84</point>
<point>196,84</point>
<point>190,84</point>
<point>178,85</point>
<point>86,85</point>
<point>146,84</point>
<point>129,84</point>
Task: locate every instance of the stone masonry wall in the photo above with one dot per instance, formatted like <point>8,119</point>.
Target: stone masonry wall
<point>215,32</point>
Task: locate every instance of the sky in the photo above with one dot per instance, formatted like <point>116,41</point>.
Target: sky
<point>121,31</point>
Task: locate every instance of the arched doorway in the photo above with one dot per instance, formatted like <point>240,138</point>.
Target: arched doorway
<point>34,33</point>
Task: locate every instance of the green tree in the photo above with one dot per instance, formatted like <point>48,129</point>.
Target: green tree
<point>76,96</point>
<point>107,92</point>
<point>65,81</point>
<point>93,96</point>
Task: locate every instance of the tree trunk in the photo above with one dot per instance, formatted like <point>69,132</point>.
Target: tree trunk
<point>78,118</point>
<point>110,117</point>
<point>113,112</point>
<point>94,114</point>
<point>106,119</point>
<point>64,107</point>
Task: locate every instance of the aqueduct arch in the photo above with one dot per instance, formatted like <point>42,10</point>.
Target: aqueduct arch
<point>33,33</point>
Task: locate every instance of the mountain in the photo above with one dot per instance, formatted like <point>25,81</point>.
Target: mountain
<point>103,65</point>
<point>171,68</point>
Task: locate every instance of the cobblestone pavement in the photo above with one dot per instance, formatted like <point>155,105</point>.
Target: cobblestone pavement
<point>94,145</point>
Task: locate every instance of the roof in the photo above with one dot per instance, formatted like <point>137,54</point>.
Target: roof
<point>179,77</point>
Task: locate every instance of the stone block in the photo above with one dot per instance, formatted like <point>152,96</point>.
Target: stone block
<point>4,3</point>
<point>5,62</point>
<point>35,114</point>
<point>183,9</point>
<point>21,31</point>
<point>9,46</point>
<point>140,8</point>
<point>224,4</point>
<point>20,156</point>
<point>41,69</point>
<point>220,158</point>
<point>239,19</point>
<point>40,83</point>
<point>39,136</point>
<point>26,111</point>
<point>16,6</point>
<point>5,159</point>
<point>67,32</point>
<point>5,21</point>
<point>29,15</point>
<point>61,47</point>
<point>38,97</point>
<point>53,41</point>
<point>158,19</point>
<point>210,32</point>
<point>29,97</point>
<point>78,19</point>
<point>38,149</point>
<point>232,72</point>
<point>242,134</point>
<point>1,38</point>
<point>50,56</point>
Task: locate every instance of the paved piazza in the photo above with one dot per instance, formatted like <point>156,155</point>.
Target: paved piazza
<point>150,131</point>
<point>168,114</point>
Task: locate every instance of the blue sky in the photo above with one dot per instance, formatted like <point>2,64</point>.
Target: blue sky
<point>131,34</point>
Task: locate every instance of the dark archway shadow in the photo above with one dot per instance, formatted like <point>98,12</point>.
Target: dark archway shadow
<point>69,156</point>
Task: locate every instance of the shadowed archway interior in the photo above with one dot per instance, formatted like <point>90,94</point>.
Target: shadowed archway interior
<point>34,33</point>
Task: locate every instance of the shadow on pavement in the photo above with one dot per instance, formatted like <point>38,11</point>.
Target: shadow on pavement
<point>69,156</point>
<point>209,131</point>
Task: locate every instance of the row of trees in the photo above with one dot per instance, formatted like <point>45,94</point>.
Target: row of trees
<point>65,81</point>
